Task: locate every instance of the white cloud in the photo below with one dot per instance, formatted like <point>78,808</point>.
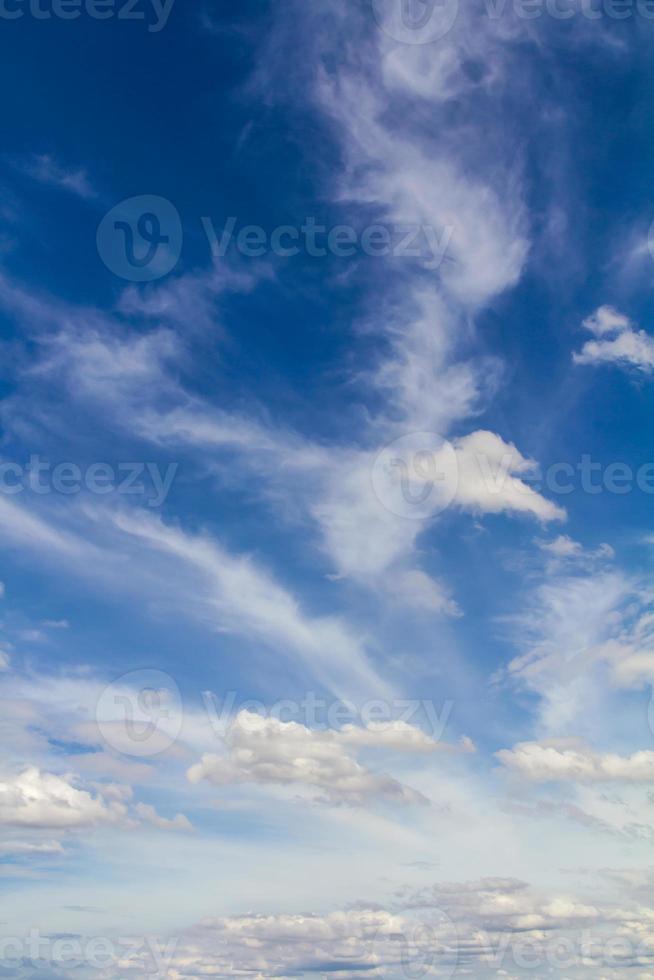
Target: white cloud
<point>245,598</point>
<point>130,378</point>
<point>627,347</point>
<point>570,631</point>
<point>564,550</point>
<point>568,760</point>
<point>44,800</point>
<point>607,320</point>
<point>45,169</point>
<point>491,927</point>
<point>148,814</point>
<point>271,752</point>
<point>489,479</point>
<point>562,547</point>
<point>20,848</point>
<point>424,186</point>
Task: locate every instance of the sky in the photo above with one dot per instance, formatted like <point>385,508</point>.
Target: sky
<point>326,483</point>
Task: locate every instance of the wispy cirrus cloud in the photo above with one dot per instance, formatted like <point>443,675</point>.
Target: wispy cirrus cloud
<point>47,170</point>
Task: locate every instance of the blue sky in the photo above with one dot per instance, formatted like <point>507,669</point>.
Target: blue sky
<point>326,485</point>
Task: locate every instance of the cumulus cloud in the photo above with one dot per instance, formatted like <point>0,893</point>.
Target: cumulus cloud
<point>148,814</point>
<point>489,471</point>
<point>271,752</point>
<point>626,346</point>
<point>558,760</point>
<point>45,800</point>
<point>487,928</point>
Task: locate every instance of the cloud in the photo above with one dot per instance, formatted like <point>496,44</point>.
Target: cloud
<point>490,927</point>
<point>568,761</point>
<point>46,170</point>
<point>148,814</point>
<point>562,547</point>
<point>564,551</point>
<point>244,597</point>
<point>369,941</point>
<point>46,801</point>
<point>270,752</point>
<point>414,181</point>
<point>489,481</point>
<point>132,380</point>
<point>577,630</point>
<point>19,848</point>
<point>627,347</point>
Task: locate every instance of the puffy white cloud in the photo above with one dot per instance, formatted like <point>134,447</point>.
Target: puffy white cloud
<point>486,928</point>
<point>44,800</point>
<point>271,752</point>
<point>489,481</point>
<point>565,760</point>
<point>627,346</point>
<point>562,547</point>
<point>607,320</point>
<point>148,814</point>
